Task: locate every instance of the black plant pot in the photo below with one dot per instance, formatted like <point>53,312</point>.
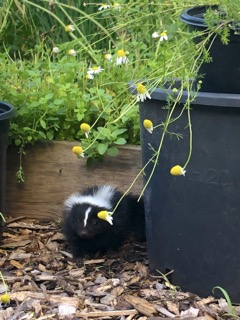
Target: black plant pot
<point>6,112</point>
<point>193,221</point>
<point>222,74</point>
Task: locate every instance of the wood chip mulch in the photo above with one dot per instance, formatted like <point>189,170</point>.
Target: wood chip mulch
<point>44,282</point>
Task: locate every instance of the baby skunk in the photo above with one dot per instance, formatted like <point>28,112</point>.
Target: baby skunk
<point>86,233</point>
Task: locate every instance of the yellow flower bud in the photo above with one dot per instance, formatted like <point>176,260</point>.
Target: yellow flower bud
<point>105,215</point>
<point>69,28</point>
<point>78,150</point>
<point>148,125</point>
<point>5,298</point>
<point>177,171</point>
<point>72,52</point>
<point>85,127</point>
<point>108,56</point>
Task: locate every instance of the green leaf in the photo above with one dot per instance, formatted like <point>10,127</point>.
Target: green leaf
<point>102,147</point>
<point>112,151</point>
<point>42,134</point>
<point>120,141</point>
<point>43,123</point>
<point>18,142</point>
<point>50,135</point>
<point>58,102</point>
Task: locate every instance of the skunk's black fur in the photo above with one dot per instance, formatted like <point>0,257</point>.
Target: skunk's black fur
<point>86,233</point>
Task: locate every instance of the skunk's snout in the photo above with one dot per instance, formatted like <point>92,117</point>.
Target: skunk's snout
<point>84,233</point>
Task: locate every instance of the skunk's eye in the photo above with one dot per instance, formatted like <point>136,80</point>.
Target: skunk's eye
<point>77,221</point>
<point>95,222</point>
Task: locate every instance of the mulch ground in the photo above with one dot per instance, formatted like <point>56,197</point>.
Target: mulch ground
<point>44,282</point>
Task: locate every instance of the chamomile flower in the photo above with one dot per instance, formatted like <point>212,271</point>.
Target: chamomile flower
<point>108,57</point>
<point>163,36</point>
<point>5,298</point>
<point>148,125</point>
<point>177,171</point>
<point>121,57</point>
<point>116,5</point>
<point>69,28</point>
<point>106,215</point>
<point>55,50</point>
<point>95,70</point>
<point>85,127</point>
<point>143,94</point>
<point>89,76</point>
<point>72,52</point>
<point>78,150</point>
<point>104,6</point>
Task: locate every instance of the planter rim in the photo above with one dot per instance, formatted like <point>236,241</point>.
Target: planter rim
<point>202,98</point>
<point>6,110</point>
<point>195,15</point>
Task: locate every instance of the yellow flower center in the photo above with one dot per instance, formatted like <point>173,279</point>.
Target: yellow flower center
<point>77,150</point>
<point>177,171</point>
<point>85,127</point>
<point>147,124</point>
<point>163,34</point>
<point>95,68</point>
<point>102,215</point>
<point>141,89</point>
<point>121,53</point>
<point>5,298</point>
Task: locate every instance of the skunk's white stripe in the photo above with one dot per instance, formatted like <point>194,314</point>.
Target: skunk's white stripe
<point>86,216</point>
<point>102,198</point>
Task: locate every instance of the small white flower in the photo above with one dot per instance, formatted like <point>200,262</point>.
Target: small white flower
<point>106,215</point>
<point>104,6</point>
<point>108,57</point>
<point>163,36</point>
<point>116,6</point>
<point>85,127</point>
<point>72,52</point>
<point>89,76</point>
<point>55,50</point>
<point>95,70</point>
<point>148,125</point>
<point>177,171</point>
<point>69,28</point>
<point>121,57</point>
<point>143,94</point>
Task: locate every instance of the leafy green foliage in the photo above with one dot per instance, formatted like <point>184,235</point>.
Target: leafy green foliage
<point>50,90</point>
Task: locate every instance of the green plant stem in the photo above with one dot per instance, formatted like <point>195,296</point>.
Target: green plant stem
<point>63,25</point>
<point>3,281</point>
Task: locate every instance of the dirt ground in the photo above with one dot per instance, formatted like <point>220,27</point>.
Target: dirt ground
<point>44,282</point>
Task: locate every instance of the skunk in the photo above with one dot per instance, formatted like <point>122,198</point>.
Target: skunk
<point>88,234</point>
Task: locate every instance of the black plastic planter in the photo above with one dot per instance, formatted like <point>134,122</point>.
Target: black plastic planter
<point>222,74</point>
<point>6,112</point>
<point>193,221</point>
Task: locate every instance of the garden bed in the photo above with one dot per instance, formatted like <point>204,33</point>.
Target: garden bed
<point>53,172</point>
